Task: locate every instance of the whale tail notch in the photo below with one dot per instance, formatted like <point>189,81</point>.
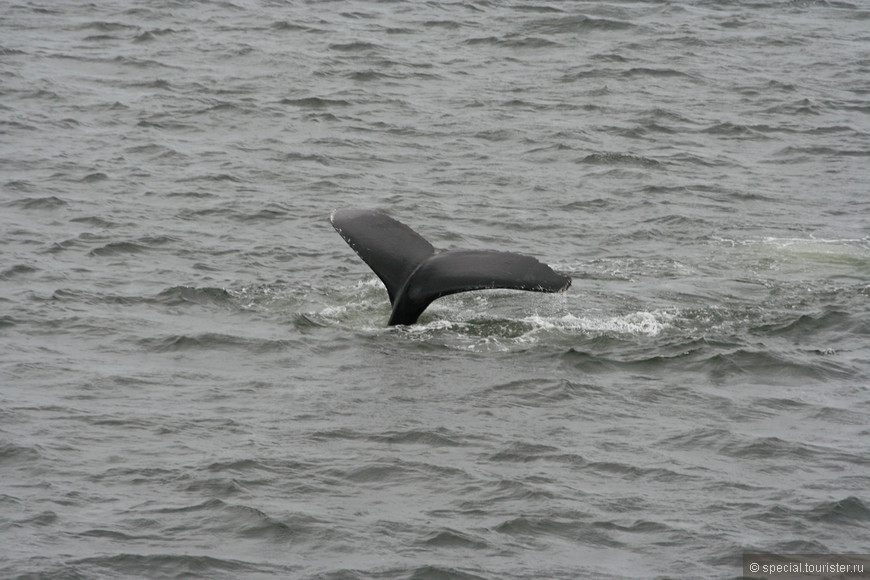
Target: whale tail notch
<point>415,274</point>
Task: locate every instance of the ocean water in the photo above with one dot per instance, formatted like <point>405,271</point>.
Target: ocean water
<point>196,377</point>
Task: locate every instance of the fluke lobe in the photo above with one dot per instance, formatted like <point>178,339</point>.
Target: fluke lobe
<point>415,274</point>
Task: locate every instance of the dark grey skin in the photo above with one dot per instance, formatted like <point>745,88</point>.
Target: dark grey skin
<point>415,274</point>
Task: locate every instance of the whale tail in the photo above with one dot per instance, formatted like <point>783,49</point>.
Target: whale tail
<point>415,274</point>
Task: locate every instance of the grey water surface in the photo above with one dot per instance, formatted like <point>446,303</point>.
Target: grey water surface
<point>196,377</point>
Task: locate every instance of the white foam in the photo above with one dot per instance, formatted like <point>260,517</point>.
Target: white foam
<point>640,323</point>
<point>333,311</point>
<point>859,245</point>
<point>373,282</point>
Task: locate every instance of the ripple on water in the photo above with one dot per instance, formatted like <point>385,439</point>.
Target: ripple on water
<point>197,379</point>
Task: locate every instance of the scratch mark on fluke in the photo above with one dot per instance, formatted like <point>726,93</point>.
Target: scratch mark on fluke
<point>415,274</point>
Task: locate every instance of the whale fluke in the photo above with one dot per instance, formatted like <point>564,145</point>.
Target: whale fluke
<point>415,274</point>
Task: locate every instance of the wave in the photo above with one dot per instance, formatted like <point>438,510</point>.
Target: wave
<point>848,511</point>
<point>455,539</point>
<point>12,455</point>
<point>16,271</point>
<point>167,565</point>
<point>316,103</point>
<point>843,514</point>
<point>180,295</point>
<point>573,24</point>
<point>210,341</point>
<point>139,245</point>
<point>363,47</point>
<point>616,158</point>
<point>394,471</point>
<point>47,202</point>
<point>512,41</point>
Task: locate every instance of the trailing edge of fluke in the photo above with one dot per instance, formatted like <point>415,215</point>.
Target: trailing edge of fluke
<point>415,274</point>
